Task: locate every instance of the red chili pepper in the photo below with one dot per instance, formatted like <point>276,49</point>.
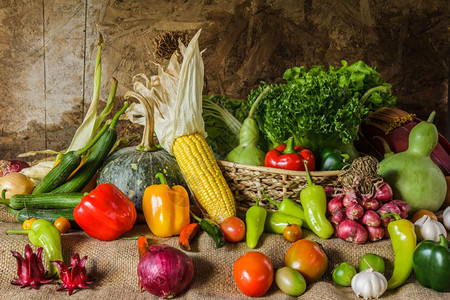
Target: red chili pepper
<point>105,213</point>
<point>187,234</point>
<point>287,156</point>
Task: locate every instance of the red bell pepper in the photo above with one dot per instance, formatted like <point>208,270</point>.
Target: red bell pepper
<point>287,156</point>
<point>105,213</point>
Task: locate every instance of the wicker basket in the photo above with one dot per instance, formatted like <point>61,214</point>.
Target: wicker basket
<point>246,183</point>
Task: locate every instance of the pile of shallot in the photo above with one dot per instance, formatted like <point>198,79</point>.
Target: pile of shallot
<point>357,217</point>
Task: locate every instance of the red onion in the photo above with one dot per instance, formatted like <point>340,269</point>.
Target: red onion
<point>404,208</point>
<point>335,204</point>
<point>352,231</point>
<point>338,216</point>
<point>371,218</point>
<point>12,165</point>
<point>349,197</point>
<point>370,204</point>
<point>383,192</point>
<point>354,211</point>
<point>375,233</point>
<point>165,271</point>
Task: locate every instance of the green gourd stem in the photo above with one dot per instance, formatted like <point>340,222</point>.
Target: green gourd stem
<point>20,231</point>
<point>271,200</point>
<point>393,214</point>
<point>387,150</point>
<point>255,104</point>
<point>431,117</point>
<point>146,144</point>
<point>289,146</point>
<point>308,176</point>
<point>161,178</point>
<point>95,139</point>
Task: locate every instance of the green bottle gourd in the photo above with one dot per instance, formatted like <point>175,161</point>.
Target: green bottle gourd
<point>413,176</point>
<point>248,151</point>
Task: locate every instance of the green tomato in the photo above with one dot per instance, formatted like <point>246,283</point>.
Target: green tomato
<point>343,274</point>
<point>290,281</point>
<point>373,260</point>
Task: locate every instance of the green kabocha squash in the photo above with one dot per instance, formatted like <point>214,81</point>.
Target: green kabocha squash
<point>133,169</point>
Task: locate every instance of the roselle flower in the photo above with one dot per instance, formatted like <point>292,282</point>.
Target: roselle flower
<point>74,276</point>
<point>30,269</point>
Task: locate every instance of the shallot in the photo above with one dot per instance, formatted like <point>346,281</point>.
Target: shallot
<point>388,208</point>
<point>374,233</point>
<point>349,197</point>
<point>383,192</point>
<point>338,217</point>
<point>371,218</point>
<point>354,211</point>
<point>352,231</point>
<point>335,204</point>
<point>370,204</point>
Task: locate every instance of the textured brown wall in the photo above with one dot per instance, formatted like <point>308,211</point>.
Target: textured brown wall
<point>47,52</point>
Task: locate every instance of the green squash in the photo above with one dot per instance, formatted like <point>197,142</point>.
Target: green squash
<point>133,169</point>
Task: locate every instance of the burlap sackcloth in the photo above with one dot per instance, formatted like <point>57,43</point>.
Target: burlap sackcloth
<point>113,267</point>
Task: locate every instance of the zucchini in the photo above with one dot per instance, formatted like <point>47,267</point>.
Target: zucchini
<point>87,170</point>
<point>62,171</point>
<point>48,214</point>
<point>67,200</point>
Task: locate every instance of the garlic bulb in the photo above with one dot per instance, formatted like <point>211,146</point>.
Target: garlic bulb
<point>429,229</point>
<point>446,217</point>
<point>369,284</point>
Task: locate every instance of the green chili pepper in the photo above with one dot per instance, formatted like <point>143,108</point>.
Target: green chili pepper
<point>212,229</point>
<point>332,159</point>
<point>431,263</point>
<point>289,207</point>
<point>255,218</point>
<point>276,222</point>
<point>314,201</point>
<point>44,234</point>
<point>403,239</point>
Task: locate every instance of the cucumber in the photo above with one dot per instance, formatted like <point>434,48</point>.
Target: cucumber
<point>67,200</point>
<point>48,214</point>
<point>68,163</point>
<point>99,153</point>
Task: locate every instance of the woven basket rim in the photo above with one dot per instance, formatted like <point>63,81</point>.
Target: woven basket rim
<point>276,170</point>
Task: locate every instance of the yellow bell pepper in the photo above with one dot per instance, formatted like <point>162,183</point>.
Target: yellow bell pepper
<point>166,210</point>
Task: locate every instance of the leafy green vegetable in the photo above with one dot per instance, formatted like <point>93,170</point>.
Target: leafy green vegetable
<point>318,107</point>
<point>220,123</point>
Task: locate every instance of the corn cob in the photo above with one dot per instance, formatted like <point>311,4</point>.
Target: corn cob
<point>204,177</point>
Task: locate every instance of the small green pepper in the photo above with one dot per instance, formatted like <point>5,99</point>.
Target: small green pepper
<point>332,159</point>
<point>289,207</point>
<point>276,222</point>
<point>212,229</point>
<point>314,201</point>
<point>431,263</point>
<point>403,239</point>
<point>255,218</point>
<point>43,233</point>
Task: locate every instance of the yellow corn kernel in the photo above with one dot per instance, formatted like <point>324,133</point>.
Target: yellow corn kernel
<point>204,177</point>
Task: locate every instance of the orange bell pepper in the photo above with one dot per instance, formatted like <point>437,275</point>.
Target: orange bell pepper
<point>166,210</point>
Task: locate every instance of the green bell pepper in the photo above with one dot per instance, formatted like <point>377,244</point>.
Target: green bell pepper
<point>255,218</point>
<point>44,234</point>
<point>276,222</point>
<point>431,263</point>
<point>332,159</point>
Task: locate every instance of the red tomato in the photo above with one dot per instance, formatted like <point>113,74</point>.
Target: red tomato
<point>253,273</point>
<point>308,258</point>
<point>233,229</point>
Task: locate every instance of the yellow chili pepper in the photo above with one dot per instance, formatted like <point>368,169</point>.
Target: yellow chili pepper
<point>166,210</point>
